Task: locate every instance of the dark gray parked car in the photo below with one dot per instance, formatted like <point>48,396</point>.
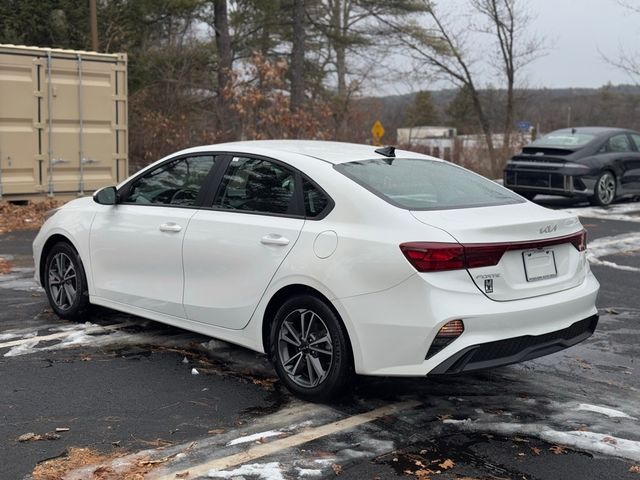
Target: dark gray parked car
<point>598,163</point>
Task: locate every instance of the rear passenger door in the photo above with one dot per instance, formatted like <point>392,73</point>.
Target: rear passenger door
<point>234,246</point>
<point>621,154</point>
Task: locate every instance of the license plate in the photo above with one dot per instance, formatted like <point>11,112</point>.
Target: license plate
<point>539,264</point>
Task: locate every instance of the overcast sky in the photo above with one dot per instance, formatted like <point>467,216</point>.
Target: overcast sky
<point>578,34</point>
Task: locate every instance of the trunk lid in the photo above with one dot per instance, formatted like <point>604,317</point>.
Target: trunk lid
<point>534,263</point>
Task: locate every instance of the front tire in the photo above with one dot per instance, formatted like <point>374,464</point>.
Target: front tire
<point>309,349</point>
<point>604,192</point>
<point>65,282</point>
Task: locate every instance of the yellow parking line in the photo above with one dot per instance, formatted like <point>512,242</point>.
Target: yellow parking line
<point>263,450</point>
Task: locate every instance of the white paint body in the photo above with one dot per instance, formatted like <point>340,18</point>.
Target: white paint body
<point>216,276</point>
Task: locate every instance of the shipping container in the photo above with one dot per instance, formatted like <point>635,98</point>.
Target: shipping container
<point>63,122</point>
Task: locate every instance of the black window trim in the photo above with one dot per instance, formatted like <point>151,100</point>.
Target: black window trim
<point>213,182</point>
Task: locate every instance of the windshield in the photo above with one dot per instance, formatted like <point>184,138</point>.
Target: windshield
<point>421,184</point>
<point>562,138</point>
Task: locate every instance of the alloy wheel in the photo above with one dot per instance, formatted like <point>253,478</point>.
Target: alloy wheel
<point>63,281</point>
<point>305,348</point>
<point>606,188</point>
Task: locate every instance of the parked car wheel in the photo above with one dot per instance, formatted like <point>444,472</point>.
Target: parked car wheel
<point>309,349</point>
<point>65,282</point>
<point>605,190</point>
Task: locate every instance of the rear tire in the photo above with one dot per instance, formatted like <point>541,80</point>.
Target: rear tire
<point>604,192</point>
<point>309,349</point>
<point>65,282</point>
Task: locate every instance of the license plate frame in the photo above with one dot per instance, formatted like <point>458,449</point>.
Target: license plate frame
<point>539,264</point>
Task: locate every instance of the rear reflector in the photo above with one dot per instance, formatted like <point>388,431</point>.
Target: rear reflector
<point>447,334</point>
<point>441,256</point>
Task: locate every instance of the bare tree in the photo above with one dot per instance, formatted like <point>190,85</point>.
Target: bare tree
<point>297,55</point>
<point>223,46</point>
<point>507,22</point>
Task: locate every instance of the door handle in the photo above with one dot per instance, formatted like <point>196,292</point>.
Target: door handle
<point>170,227</point>
<point>274,239</point>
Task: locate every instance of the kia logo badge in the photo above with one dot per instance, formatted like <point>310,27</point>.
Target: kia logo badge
<point>549,229</point>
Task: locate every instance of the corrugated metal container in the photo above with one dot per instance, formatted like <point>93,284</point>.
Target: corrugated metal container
<point>63,122</point>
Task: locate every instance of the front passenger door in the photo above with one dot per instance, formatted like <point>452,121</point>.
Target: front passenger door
<point>233,249</point>
<point>136,245</point>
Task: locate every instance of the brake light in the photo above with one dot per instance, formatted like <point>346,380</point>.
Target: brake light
<point>442,256</point>
<point>434,256</point>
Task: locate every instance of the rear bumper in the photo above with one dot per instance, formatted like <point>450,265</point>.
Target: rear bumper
<point>566,182</point>
<point>392,331</point>
<point>517,349</point>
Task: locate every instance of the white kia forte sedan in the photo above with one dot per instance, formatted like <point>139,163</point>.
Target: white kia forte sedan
<point>332,258</point>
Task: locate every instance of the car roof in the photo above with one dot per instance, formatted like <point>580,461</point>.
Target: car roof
<point>598,131</point>
<point>331,152</point>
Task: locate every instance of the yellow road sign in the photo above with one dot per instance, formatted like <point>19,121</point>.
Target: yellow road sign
<point>377,130</point>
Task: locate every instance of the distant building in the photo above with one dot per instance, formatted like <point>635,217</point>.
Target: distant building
<point>444,142</point>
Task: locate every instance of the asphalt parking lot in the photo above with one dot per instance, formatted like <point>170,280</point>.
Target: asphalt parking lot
<point>143,400</point>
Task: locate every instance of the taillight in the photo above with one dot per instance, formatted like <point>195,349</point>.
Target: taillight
<point>441,256</point>
<point>434,256</point>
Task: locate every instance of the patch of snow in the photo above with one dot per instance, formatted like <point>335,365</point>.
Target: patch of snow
<point>587,441</point>
<point>264,471</point>
<point>609,412</point>
<point>195,371</point>
<point>255,437</point>
<point>613,212</point>
<point>20,279</point>
<point>601,247</point>
<point>22,349</point>
<point>309,472</point>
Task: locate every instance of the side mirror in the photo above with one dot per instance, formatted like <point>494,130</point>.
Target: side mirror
<point>106,196</point>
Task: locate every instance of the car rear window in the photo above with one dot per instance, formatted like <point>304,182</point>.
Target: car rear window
<point>422,184</point>
<point>563,139</point>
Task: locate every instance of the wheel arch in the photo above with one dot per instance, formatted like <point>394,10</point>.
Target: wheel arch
<point>288,291</point>
<point>46,248</point>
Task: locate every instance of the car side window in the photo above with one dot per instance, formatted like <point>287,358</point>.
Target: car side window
<point>636,140</point>
<point>256,185</point>
<point>618,143</point>
<point>314,200</point>
<point>176,182</point>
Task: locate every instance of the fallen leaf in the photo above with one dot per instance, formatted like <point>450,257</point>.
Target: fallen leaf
<point>520,440</point>
<point>610,440</point>
<point>28,437</point>
<point>442,418</point>
<point>447,464</point>
<point>634,469</point>
<point>337,469</point>
<point>558,449</point>
<point>182,475</point>
<point>216,431</point>
<point>535,450</point>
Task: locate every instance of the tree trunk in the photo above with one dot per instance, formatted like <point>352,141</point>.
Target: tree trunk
<point>223,46</point>
<point>297,56</point>
<point>485,125</point>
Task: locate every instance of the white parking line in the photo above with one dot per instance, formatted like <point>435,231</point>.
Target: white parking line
<point>53,336</point>
<point>263,450</point>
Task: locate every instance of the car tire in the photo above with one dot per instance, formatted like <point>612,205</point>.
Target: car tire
<point>315,364</point>
<point>604,192</point>
<point>528,195</point>
<point>65,282</point>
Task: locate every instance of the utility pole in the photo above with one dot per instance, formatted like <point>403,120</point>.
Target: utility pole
<point>93,24</point>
